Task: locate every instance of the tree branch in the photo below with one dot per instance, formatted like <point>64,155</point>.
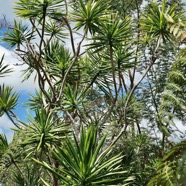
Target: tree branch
<point>70,67</point>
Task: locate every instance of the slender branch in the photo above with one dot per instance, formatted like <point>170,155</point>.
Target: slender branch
<point>66,7</point>
<point>93,80</point>
<point>40,52</point>
<point>70,67</point>
<point>12,120</point>
<point>113,72</point>
<point>138,126</point>
<point>40,79</point>
<point>71,35</point>
<point>130,96</point>
<point>14,162</point>
<point>132,91</point>
<point>123,81</point>
<point>71,118</point>
<point>138,38</point>
<point>14,115</point>
<point>42,35</point>
<point>34,26</point>
<point>153,98</point>
<point>131,77</point>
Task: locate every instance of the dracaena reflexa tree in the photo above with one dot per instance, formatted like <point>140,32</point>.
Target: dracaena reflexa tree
<point>89,59</point>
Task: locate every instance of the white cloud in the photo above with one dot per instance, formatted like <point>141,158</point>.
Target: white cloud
<point>9,136</point>
<point>179,131</point>
<point>6,9</point>
<point>5,123</point>
<point>1,131</point>
<point>5,126</point>
<point>14,79</point>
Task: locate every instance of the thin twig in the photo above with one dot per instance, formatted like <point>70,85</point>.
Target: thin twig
<point>12,120</point>
<point>71,35</point>
<point>113,72</point>
<point>70,67</point>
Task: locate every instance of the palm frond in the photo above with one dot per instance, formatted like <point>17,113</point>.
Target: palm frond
<point>8,99</point>
<point>80,161</point>
<point>4,70</point>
